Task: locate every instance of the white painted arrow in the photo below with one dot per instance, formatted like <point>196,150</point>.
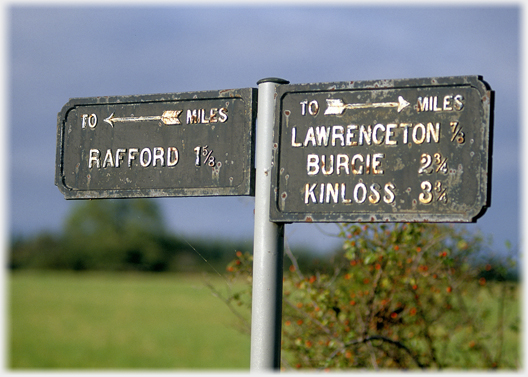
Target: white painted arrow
<point>169,117</point>
<point>337,106</point>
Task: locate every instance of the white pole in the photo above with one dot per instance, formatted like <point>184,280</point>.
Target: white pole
<point>268,248</point>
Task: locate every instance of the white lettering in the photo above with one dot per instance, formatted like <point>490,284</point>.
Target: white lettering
<point>415,138</point>
<point>327,193</point>
<point>91,118</point>
<point>192,116</point>
<point>342,162</point>
<point>145,152</point>
<point>223,115</point>
<point>355,170</point>
<point>389,194</point>
<point>376,163</point>
<point>360,199</point>
<point>332,191</point>
<point>94,157</point>
<point>303,107</point>
<point>131,156</point>
<point>374,197</point>
<point>172,156</point>
<point>458,105</point>
<point>423,104</point>
<point>313,107</point>
<point>344,200</point>
<point>309,193</point>
<point>435,105</point>
<point>119,153</point>
<point>294,136</point>
<point>203,119</point>
<point>448,106</point>
<point>375,134</point>
<point>449,103</point>
<point>108,159</point>
<point>433,131</point>
<point>390,133</point>
<point>84,118</point>
<point>310,137</point>
<point>323,134</point>
<point>324,169</point>
<point>365,133</point>
<point>202,116</point>
<point>212,115</point>
<point>351,135</point>
<point>158,156</point>
<point>312,166</point>
<point>338,133</point>
<point>405,127</point>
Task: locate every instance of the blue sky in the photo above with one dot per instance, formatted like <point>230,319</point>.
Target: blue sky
<point>58,52</point>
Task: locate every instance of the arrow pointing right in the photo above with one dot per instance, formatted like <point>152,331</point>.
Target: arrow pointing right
<point>338,107</point>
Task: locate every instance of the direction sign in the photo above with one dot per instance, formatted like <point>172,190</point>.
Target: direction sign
<point>177,144</point>
<point>416,150</point>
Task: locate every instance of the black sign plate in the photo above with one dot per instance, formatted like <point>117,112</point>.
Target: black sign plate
<point>416,150</point>
<point>178,144</point>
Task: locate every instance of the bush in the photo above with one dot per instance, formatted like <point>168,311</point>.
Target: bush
<point>117,235</point>
<point>400,296</point>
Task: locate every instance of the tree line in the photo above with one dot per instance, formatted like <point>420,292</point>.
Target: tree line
<point>122,235</point>
<point>118,235</point>
<point>130,235</point>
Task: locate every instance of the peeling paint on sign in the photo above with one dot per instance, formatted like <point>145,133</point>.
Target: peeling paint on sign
<point>415,150</point>
<point>180,144</point>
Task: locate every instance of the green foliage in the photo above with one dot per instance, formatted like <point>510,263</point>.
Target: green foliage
<point>402,296</point>
<point>115,234</point>
<point>36,252</point>
<point>118,235</point>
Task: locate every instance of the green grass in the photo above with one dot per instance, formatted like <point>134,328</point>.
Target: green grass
<point>120,321</point>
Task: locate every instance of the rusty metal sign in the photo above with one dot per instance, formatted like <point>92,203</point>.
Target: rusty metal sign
<point>416,150</point>
<point>177,144</point>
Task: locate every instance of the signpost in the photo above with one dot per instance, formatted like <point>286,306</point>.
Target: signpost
<point>382,151</point>
<point>179,144</point>
<point>374,151</point>
<point>268,244</point>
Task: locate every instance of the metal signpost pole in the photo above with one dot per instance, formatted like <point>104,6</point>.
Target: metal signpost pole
<point>268,249</point>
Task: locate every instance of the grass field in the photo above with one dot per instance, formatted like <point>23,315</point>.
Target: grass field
<point>123,321</point>
<point>117,321</point>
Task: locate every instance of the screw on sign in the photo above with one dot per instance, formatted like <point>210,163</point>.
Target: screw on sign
<point>383,151</point>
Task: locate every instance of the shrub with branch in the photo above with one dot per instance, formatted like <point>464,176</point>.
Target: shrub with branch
<point>398,296</point>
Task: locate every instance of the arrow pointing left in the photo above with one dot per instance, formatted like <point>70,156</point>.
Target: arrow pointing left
<point>169,117</point>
